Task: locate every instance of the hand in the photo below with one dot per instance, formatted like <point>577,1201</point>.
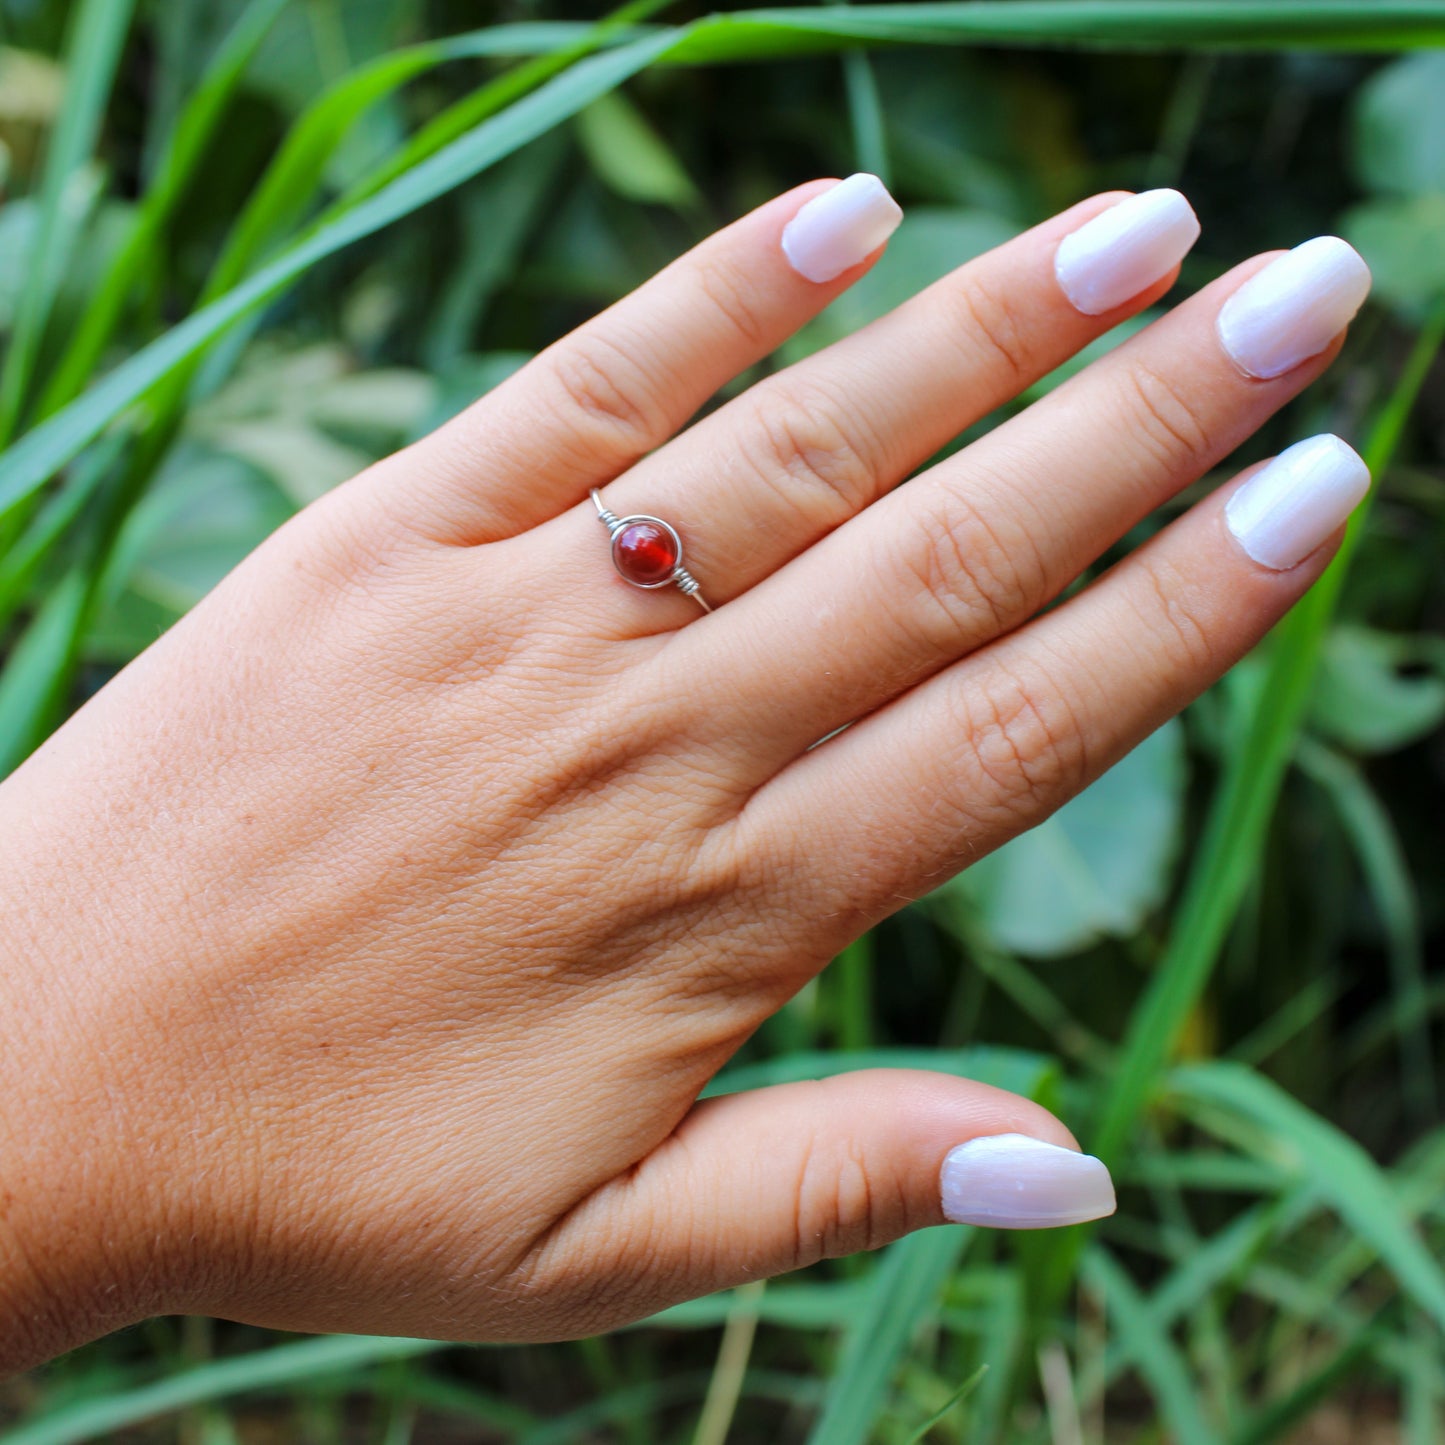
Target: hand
<point>371,936</point>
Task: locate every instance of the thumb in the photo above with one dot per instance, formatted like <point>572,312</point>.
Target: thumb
<point>755,1184</point>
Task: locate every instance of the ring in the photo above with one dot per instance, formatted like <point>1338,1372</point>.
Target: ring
<point>647,551</point>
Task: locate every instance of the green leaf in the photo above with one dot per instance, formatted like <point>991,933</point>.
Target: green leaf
<point>1364,702</point>
<point>1096,869</point>
<point>384,404</point>
<point>631,157</point>
<point>1399,118</point>
<point>1400,239</point>
<point>462,381</point>
<point>1339,1169</point>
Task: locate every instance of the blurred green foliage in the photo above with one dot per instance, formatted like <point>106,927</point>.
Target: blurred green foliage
<point>250,245</point>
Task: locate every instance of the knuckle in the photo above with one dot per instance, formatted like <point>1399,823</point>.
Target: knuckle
<point>609,394</point>
<point>818,464</point>
<point>1188,651</point>
<point>1027,744</point>
<point>733,294</point>
<point>990,318</point>
<point>840,1208</point>
<point>971,576</point>
<point>1162,415</point>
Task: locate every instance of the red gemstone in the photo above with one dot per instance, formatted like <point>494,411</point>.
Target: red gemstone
<point>645,553</point>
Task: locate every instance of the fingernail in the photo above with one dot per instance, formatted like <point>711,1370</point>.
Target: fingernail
<point>839,228</point>
<point>1294,308</point>
<point>1124,249</point>
<point>1013,1181</point>
<point>1280,515</point>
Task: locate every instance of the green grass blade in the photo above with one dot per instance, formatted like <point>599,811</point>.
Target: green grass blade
<point>496,225</point>
<point>850,994</point>
<point>1016,1070</point>
<point>1239,816</point>
<point>260,1370</point>
<point>1225,1256</point>
<point>865,113</point>
<point>1278,1419</point>
<point>794,1306</point>
<point>631,158</point>
<point>906,1288</point>
<point>1150,1349</point>
<point>33,683</point>
<point>290,182</point>
<point>637,1403</point>
<point>97,36</point>
<point>195,129</point>
<point>1002,1346</point>
<point>1424,1424</point>
<point>1289,1020</point>
<point>1382,860</point>
<point>1153,24</point>
<point>486,101</point>
<point>41,453</point>
<point>714,1424</point>
<point>1338,1168</point>
<point>20,563</point>
<point>952,1403</point>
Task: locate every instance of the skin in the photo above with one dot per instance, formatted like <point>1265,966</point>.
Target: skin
<point>369,938</point>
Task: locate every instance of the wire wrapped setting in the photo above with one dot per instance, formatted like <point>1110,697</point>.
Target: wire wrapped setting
<point>678,575</point>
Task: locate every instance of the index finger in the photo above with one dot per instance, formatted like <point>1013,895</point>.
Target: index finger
<point>590,405</point>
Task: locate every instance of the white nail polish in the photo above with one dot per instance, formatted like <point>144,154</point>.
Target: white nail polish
<point>1124,249</point>
<point>1281,514</point>
<point>1013,1181</point>
<point>1294,308</point>
<point>839,228</point>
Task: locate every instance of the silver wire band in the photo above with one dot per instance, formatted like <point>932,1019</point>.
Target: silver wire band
<point>684,581</point>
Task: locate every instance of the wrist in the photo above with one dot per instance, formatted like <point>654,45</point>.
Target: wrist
<point>77,1232</point>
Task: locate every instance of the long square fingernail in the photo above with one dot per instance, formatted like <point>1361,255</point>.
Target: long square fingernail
<point>1014,1181</point>
<point>1281,514</point>
<point>1125,249</point>
<point>841,227</point>
<point>1294,308</point>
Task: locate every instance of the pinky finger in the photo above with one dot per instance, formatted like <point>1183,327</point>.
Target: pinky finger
<point>990,747</point>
